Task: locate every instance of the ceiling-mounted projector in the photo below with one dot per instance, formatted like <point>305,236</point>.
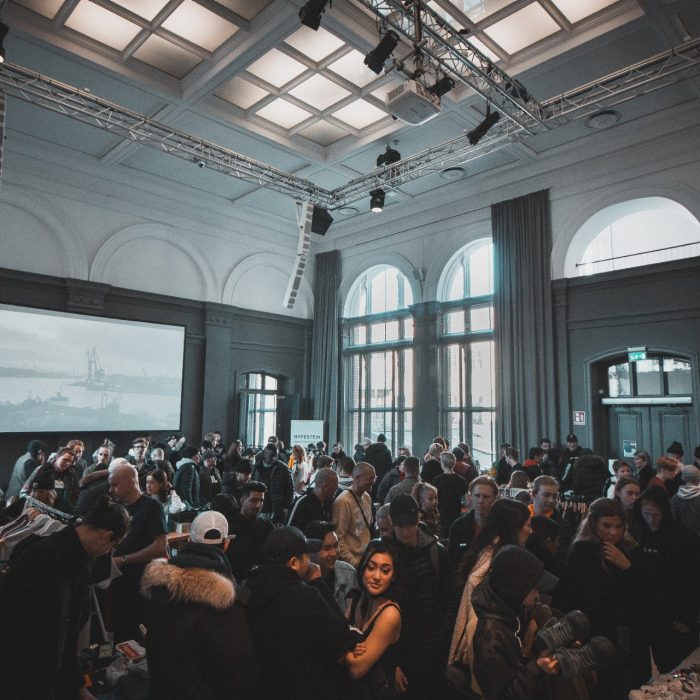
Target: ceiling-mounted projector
<point>412,103</point>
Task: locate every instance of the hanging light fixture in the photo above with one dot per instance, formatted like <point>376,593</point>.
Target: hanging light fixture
<point>376,202</point>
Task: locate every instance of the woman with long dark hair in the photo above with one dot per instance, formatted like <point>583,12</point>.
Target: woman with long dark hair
<point>627,492</point>
<point>671,554</point>
<point>604,577</point>
<point>508,522</point>
<point>376,614</point>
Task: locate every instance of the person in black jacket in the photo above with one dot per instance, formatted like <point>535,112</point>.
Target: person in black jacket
<point>671,553</point>
<point>378,455</point>
<point>316,503</point>
<point>590,476</point>
<point>43,604</point>
<point>198,642</point>
<point>298,639</point>
<point>422,598</point>
<point>277,477</point>
<point>605,577</point>
<point>515,580</point>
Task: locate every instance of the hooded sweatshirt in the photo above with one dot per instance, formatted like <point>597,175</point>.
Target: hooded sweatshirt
<point>685,507</point>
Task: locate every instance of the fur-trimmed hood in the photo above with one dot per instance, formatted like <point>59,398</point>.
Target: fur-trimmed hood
<point>188,585</point>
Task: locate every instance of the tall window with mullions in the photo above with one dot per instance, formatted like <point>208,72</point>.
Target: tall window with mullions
<point>258,407</point>
<point>467,350</point>
<point>378,358</point>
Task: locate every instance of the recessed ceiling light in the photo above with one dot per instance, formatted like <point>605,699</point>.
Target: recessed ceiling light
<point>603,119</point>
<point>453,173</point>
<point>348,211</point>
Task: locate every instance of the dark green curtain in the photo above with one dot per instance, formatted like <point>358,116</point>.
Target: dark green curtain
<point>325,348</point>
<point>525,369</point>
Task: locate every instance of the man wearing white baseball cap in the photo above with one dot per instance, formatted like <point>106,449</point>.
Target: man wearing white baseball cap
<point>198,641</point>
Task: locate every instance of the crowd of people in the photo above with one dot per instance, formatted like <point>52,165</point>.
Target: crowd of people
<point>310,573</point>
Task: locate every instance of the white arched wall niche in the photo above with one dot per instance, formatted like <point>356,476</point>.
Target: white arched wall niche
<point>581,226</point>
<point>155,258</point>
<point>401,263</point>
<point>33,240</point>
<point>259,282</point>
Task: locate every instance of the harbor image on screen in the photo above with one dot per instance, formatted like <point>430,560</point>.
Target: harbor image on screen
<point>62,372</point>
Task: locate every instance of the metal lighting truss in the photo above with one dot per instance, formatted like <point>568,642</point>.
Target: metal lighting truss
<point>449,49</point>
<point>656,72</point>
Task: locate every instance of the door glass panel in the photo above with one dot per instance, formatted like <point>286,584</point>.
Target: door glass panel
<point>678,377</point>
<point>619,380</point>
<point>649,377</point>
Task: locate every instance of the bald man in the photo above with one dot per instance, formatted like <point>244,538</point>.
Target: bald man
<point>353,514</point>
<point>316,503</point>
<point>147,540</point>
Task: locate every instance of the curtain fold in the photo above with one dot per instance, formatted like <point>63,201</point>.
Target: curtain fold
<point>525,365</point>
<point>325,342</point>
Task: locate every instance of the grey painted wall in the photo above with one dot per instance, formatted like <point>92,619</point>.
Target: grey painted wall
<point>221,343</point>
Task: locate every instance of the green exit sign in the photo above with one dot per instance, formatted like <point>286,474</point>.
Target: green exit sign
<point>636,354</point>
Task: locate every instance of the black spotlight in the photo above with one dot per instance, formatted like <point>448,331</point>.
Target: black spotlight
<point>388,157</point>
<point>376,202</point>
<point>377,57</point>
<point>321,220</point>
<point>442,86</point>
<point>3,33</point>
<point>310,14</point>
<point>477,134</point>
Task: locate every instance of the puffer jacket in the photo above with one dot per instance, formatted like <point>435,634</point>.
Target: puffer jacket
<point>198,642</point>
<point>499,667</point>
<point>186,482</point>
<point>280,489</point>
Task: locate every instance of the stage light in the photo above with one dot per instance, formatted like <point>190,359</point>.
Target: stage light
<point>477,134</point>
<point>3,33</point>
<point>310,14</point>
<point>376,202</point>
<point>389,156</point>
<point>442,86</point>
<point>516,89</point>
<point>377,57</point>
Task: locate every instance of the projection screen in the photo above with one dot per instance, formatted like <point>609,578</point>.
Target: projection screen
<point>65,372</point>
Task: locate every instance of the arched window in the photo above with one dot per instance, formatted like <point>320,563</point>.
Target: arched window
<point>258,407</point>
<point>634,233</point>
<point>467,349</point>
<point>378,358</point>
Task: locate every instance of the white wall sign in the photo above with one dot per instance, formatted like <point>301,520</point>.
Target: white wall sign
<point>305,431</point>
<point>579,418</point>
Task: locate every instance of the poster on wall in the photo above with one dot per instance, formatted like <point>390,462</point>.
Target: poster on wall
<point>305,431</point>
<point>629,447</point>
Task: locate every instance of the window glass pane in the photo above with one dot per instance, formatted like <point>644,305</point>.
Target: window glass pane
<point>377,332</point>
<point>407,292</point>
<point>454,322</point>
<point>270,382</point>
<point>454,378</point>
<point>482,379</point>
<point>392,330</point>
<point>407,437</point>
<point>358,335</point>
<point>269,424</point>
<point>408,328</point>
<point>678,376</point>
<point>384,291</point>
<point>481,318</point>
<point>481,271</point>
<point>361,305</point>
<point>455,289</point>
<point>648,377</point>
<point>482,437</point>
<point>380,423</point>
<point>619,380</point>
<point>380,372</point>
<point>407,378</point>
<point>356,384</point>
<point>254,381</point>
<point>270,402</point>
<point>453,428</point>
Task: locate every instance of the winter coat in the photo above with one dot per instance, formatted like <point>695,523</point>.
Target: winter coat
<point>378,455</point>
<point>421,595</point>
<point>685,507</point>
<point>198,641</point>
<point>298,638</point>
<point>280,489</point>
<point>391,478</point>
<point>462,534</point>
<point>43,602</point>
<point>186,482</point>
<point>245,549</point>
<point>589,479</point>
<point>499,666</point>
<point>308,508</point>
